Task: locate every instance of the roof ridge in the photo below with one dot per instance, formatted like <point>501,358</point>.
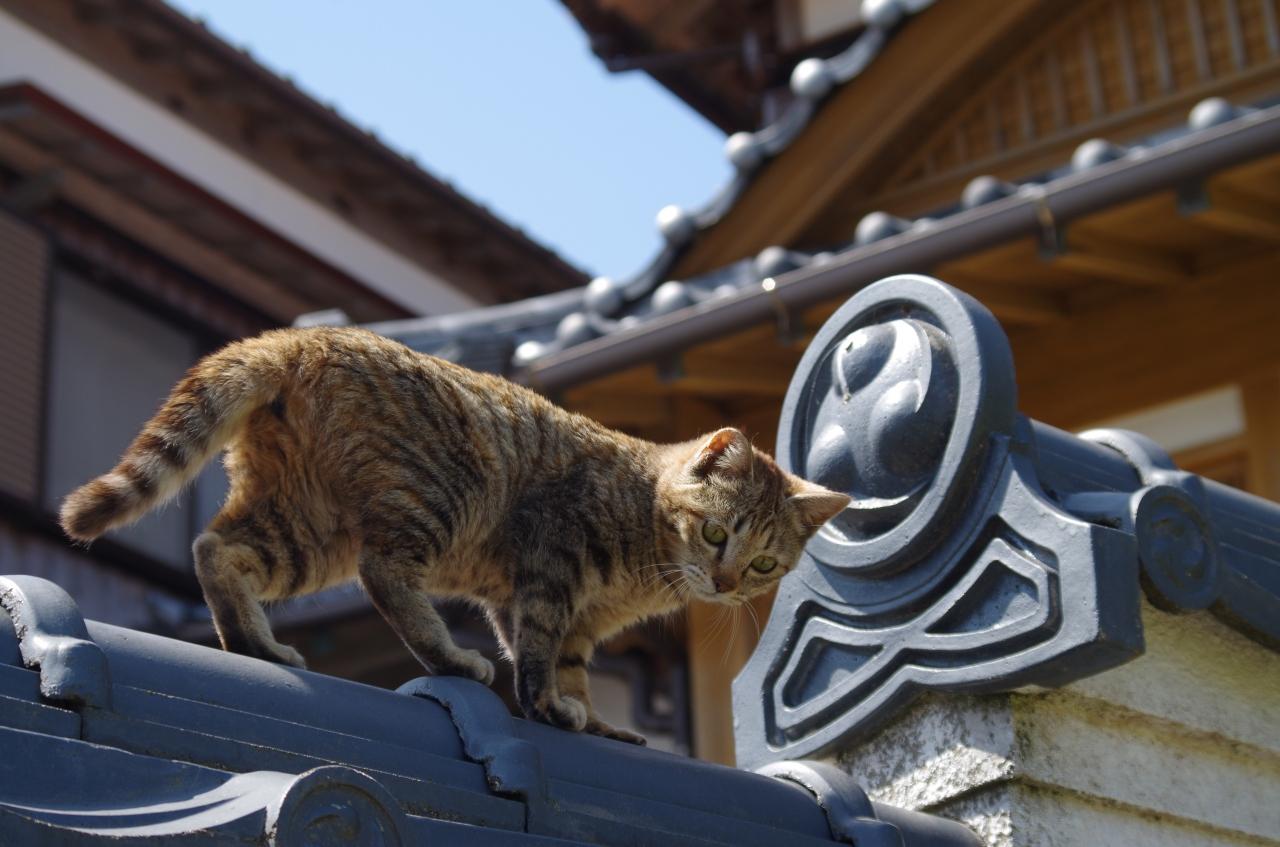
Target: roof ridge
<point>812,81</point>
<point>280,84</point>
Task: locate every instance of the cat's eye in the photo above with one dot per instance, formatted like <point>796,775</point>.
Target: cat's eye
<point>714,533</point>
<point>763,564</point>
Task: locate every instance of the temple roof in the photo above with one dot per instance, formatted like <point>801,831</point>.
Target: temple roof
<point>559,340</point>
<point>143,736</point>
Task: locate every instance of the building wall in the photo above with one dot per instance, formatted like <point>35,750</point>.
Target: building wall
<point>30,57</point>
<point>1179,747</point>
<point>110,596</point>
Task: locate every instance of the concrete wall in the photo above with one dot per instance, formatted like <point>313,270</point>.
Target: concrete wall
<point>1179,747</point>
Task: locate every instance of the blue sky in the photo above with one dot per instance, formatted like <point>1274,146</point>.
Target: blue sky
<point>504,99</point>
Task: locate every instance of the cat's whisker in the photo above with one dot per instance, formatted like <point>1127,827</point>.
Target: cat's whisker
<point>733,636</point>
<point>754,617</point>
<point>664,581</point>
<point>717,624</point>
<point>672,584</point>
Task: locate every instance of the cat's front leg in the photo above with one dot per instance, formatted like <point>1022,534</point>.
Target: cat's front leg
<point>539,631</point>
<point>571,674</point>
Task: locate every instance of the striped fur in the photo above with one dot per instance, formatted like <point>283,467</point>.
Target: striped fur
<point>352,457</point>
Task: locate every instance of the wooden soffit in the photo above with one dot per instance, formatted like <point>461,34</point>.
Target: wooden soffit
<point>1002,87</point>
<point>917,69</point>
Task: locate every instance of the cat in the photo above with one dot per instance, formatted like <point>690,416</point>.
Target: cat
<point>351,456</point>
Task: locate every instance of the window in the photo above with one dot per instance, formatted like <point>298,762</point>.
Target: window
<point>111,364</point>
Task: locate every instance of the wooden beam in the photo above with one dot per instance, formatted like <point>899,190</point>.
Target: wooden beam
<point>756,375</point>
<point>618,407</point>
<point>1013,303</point>
<point>1141,349</point>
<point>1231,211</point>
<point>855,129</point>
<point>1261,396</point>
<point>995,263</point>
<point>721,639</point>
<point>1096,256</point>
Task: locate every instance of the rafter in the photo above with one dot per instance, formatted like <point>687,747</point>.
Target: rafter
<point>765,376</point>
<point>1011,302</point>
<point>1098,256</point>
<point>1231,211</point>
<point>1140,349</point>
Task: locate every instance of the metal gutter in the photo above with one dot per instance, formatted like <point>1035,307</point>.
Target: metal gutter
<point>1032,210</point>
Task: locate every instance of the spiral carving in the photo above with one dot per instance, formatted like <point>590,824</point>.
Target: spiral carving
<point>1178,556</point>
<point>881,428</point>
<point>335,805</point>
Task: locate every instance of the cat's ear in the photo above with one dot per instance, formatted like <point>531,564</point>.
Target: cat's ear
<point>816,505</point>
<point>725,451</point>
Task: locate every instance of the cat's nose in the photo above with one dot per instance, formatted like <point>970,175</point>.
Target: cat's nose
<point>723,584</point>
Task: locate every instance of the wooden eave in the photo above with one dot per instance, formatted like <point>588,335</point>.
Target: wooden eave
<point>860,123</point>
<point>1009,89</point>
<point>183,67</point>
<point>1133,306</point>
<point>694,48</point>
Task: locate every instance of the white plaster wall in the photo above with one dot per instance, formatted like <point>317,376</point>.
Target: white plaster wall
<point>1179,747</point>
<point>28,56</point>
<point>1190,422</point>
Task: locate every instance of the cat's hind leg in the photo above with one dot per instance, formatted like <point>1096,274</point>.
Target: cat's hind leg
<point>233,576</point>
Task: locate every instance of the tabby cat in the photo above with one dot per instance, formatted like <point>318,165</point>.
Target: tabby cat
<point>352,456</point>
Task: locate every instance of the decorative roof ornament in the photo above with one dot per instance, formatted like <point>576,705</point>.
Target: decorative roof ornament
<point>982,551</point>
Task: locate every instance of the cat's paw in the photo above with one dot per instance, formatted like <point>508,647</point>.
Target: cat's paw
<point>473,665</point>
<point>283,654</point>
<point>564,712</point>
<point>595,726</point>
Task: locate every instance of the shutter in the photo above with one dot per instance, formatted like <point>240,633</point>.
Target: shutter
<point>24,261</point>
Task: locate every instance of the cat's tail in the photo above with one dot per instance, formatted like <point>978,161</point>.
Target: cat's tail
<point>203,412</point>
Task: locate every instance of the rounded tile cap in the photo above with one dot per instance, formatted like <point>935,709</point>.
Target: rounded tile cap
<point>1211,112</point>
<point>984,189</point>
<point>527,352</point>
<point>1094,152</point>
<point>812,79</point>
<point>742,151</point>
<point>669,296</point>
<point>603,296</point>
<point>574,328</point>
<point>882,14</point>
<point>675,224</point>
<point>878,225</point>
<point>773,261</point>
